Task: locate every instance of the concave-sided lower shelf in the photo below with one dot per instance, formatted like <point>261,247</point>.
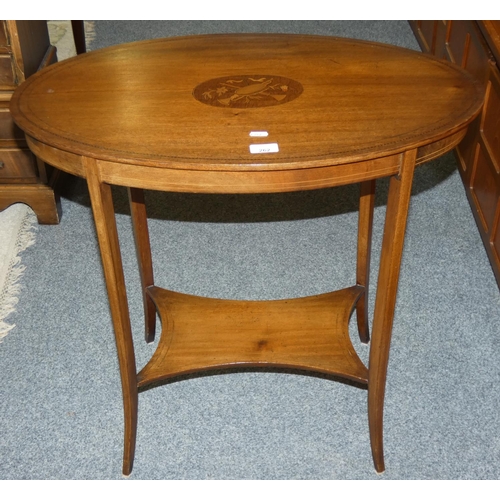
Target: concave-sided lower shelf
<point>201,333</point>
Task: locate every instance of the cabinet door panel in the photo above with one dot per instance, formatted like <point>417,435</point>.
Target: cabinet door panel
<point>466,149</point>
<point>457,39</point>
<point>440,39</point>
<point>485,190</point>
<point>426,29</point>
<point>477,57</point>
<point>491,123</point>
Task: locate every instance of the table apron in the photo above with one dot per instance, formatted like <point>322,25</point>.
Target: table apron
<point>244,181</point>
<point>270,181</point>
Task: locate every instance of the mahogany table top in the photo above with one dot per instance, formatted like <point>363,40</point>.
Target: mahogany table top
<point>201,102</point>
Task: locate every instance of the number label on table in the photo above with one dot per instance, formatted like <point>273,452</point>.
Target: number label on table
<point>264,148</point>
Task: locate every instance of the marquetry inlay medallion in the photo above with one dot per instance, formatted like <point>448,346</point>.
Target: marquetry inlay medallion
<point>247,91</point>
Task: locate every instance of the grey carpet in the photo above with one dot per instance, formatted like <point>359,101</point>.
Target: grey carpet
<point>60,399</point>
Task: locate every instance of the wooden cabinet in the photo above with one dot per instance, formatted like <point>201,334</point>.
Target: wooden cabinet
<point>24,48</point>
<point>475,45</point>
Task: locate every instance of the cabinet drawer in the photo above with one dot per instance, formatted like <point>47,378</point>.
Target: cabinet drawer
<point>17,164</point>
<point>6,73</point>
<point>10,134</point>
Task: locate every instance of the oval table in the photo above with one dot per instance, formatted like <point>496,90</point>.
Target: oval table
<point>249,113</point>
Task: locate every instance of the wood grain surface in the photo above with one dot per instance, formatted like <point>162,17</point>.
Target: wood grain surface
<point>134,103</point>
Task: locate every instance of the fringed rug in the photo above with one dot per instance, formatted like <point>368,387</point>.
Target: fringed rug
<point>17,232</point>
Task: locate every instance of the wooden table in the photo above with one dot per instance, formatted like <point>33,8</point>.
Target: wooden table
<point>249,114</point>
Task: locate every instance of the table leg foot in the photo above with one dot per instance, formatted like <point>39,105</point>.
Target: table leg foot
<point>376,440</point>
<point>130,434</point>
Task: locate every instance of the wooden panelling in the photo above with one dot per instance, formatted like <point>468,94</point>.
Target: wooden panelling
<point>3,34</point>
<point>457,41</point>
<point>7,77</point>
<point>490,130</point>
<point>477,57</point>
<point>484,188</point>
<point>29,44</point>
<point>495,243</point>
<point>466,149</point>
<point>427,33</point>
<point>424,33</point>
<point>442,28</point>
<point>491,32</point>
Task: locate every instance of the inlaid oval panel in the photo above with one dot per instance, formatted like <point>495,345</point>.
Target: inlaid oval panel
<point>247,91</point>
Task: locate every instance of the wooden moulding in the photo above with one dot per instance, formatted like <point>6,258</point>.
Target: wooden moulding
<point>41,198</point>
<point>199,333</point>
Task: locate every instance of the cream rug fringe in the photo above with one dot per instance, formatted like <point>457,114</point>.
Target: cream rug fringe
<point>11,269</point>
<point>89,31</point>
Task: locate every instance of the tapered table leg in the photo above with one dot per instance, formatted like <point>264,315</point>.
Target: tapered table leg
<point>390,261</point>
<point>104,217</point>
<point>365,226</point>
<point>143,250</point>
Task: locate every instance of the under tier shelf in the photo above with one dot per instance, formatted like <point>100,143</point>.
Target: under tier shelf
<point>199,333</point>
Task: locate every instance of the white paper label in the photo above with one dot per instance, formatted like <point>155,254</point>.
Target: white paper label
<point>264,148</point>
<point>258,133</point>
